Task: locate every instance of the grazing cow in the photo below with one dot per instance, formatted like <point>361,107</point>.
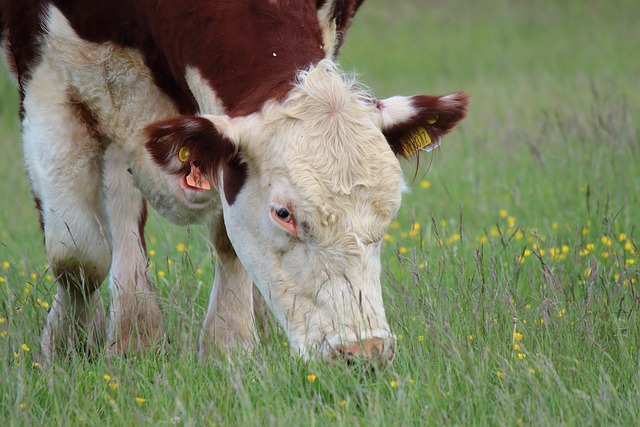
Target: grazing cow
<point>229,114</point>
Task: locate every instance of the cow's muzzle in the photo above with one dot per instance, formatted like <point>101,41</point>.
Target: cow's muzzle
<point>374,349</point>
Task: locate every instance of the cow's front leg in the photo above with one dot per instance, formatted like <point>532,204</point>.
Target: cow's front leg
<point>229,324</point>
<point>136,322</point>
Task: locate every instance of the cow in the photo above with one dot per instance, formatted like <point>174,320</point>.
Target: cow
<point>232,114</point>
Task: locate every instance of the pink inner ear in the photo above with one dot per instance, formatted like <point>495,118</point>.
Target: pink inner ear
<point>194,181</point>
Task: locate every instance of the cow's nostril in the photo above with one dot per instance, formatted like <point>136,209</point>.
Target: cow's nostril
<point>368,349</point>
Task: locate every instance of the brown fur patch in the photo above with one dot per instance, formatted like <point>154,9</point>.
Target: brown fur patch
<point>241,38</point>
<point>142,221</point>
<point>235,175</point>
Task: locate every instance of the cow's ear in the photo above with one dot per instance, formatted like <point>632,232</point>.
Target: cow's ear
<point>192,148</point>
<point>417,123</point>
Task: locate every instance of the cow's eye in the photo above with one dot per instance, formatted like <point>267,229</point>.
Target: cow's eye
<point>282,213</point>
<point>284,218</point>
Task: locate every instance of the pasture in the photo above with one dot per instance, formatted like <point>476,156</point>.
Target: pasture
<point>511,276</point>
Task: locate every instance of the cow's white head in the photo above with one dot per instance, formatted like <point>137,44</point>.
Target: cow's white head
<point>309,186</point>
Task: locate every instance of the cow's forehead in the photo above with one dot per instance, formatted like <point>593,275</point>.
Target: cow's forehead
<point>324,135</point>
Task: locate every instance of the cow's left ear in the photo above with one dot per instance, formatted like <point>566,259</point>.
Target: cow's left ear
<point>193,149</point>
<point>417,123</point>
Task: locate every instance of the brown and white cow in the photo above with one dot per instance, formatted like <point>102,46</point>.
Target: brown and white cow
<point>231,114</point>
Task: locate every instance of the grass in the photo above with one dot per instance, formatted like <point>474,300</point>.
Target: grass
<point>511,275</point>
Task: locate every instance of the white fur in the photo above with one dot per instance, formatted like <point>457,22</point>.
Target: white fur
<point>395,110</point>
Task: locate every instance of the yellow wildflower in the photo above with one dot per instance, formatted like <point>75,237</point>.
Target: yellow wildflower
<point>453,238</point>
<point>152,253</point>
<point>522,356</point>
<point>420,338</point>
<point>180,247</point>
<point>342,403</point>
<point>25,348</point>
<point>393,383</point>
<point>6,265</point>
<point>500,374</point>
<point>107,377</point>
<point>518,336</point>
<point>311,378</point>
<point>140,400</point>
<point>403,250</point>
<point>425,184</point>
<point>503,213</point>
<point>512,221</point>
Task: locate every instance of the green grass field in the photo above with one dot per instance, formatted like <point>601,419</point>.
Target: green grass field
<point>511,277</point>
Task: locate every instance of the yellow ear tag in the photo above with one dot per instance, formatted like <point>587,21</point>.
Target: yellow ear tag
<point>415,141</point>
<point>183,154</point>
<point>433,120</point>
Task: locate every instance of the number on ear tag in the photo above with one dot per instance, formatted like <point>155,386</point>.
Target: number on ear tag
<point>417,140</point>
